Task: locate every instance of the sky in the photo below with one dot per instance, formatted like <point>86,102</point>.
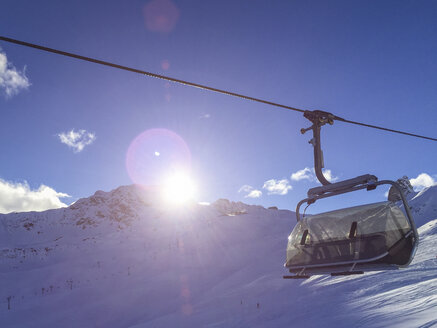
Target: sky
<point>70,128</point>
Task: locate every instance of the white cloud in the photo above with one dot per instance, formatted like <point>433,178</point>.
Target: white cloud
<point>254,194</point>
<point>77,140</point>
<point>245,188</point>
<point>277,187</point>
<point>206,116</point>
<point>422,181</point>
<point>304,174</point>
<point>18,197</point>
<point>310,175</point>
<point>328,175</point>
<point>11,80</point>
<point>251,191</point>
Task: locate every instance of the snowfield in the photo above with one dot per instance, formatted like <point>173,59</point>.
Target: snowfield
<point>116,259</point>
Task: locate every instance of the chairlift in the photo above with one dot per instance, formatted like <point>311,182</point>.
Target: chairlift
<point>372,237</point>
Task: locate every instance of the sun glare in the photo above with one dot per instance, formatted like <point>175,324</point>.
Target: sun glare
<point>179,189</point>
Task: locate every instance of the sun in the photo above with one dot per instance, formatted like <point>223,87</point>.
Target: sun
<point>178,189</point>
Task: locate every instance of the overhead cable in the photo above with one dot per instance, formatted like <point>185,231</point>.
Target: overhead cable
<point>196,85</point>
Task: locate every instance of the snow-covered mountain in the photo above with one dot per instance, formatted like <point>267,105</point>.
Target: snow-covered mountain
<point>119,259</point>
<point>424,205</point>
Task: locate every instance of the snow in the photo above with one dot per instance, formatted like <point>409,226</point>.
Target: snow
<point>424,205</point>
<point>119,259</point>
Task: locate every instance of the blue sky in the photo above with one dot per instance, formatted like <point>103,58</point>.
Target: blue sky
<point>369,61</point>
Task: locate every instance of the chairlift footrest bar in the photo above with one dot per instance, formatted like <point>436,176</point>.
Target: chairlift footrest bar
<point>346,273</point>
<point>297,276</point>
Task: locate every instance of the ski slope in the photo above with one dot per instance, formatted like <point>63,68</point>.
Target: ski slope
<point>119,259</point>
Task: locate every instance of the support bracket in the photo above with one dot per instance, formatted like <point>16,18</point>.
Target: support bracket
<point>318,118</point>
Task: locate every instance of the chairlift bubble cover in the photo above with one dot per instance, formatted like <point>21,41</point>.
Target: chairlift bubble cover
<point>381,235</point>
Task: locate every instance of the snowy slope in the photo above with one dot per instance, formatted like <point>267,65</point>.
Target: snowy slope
<point>424,205</point>
<point>119,259</point>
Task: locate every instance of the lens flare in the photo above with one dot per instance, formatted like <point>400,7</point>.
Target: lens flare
<point>156,154</point>
<point>161,15</point>
<point>165,65</point>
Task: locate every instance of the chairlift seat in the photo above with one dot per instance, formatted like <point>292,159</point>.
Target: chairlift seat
<point>366,237</point>
<point>370,237</point>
